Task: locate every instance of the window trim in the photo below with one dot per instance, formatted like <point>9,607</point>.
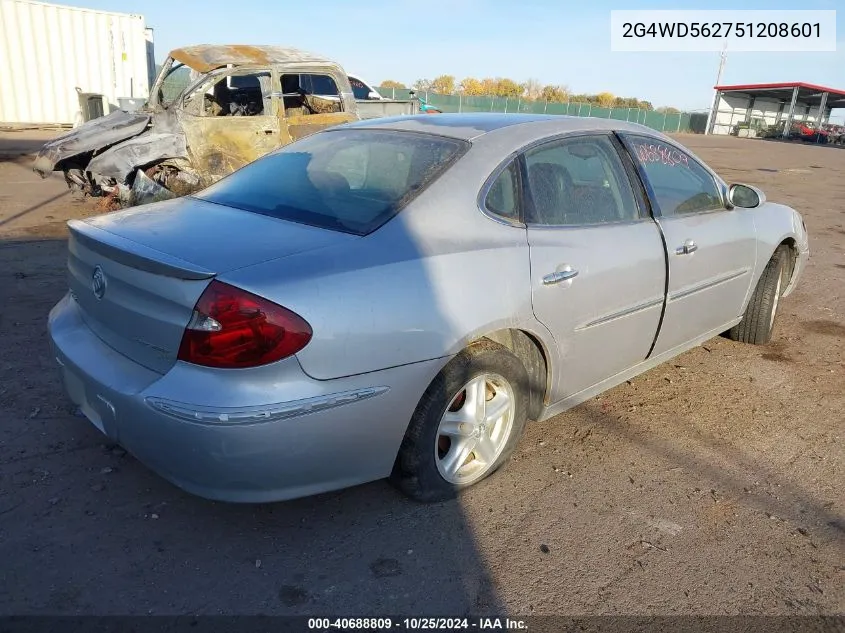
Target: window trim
<point>640,194</point>
<point>718,183</point>
<point>526,190</point>
<point>484,193</point>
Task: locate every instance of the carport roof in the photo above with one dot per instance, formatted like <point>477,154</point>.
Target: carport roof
<point>810,94</point>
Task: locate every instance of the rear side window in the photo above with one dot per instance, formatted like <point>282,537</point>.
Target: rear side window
<point>319,85</point>
<point>578,181</point>
<point>502,198</point>
<point>347,180</point>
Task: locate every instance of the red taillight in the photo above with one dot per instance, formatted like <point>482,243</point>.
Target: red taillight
<point>233,328</point>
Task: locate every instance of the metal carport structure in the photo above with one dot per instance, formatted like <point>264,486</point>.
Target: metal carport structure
<point>774,103</point>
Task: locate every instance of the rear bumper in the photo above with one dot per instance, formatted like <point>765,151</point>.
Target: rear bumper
<point>253,436</point>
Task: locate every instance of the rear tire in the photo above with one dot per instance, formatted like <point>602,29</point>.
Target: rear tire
<point>456,439</point>
<point>759,318</point>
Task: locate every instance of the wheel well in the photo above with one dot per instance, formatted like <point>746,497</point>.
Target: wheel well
<point>530,351</point>
<point>793,257</point>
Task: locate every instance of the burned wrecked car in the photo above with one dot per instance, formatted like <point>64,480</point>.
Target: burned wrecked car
<point>211,110</point>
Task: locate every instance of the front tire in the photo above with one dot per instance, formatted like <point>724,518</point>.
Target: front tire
<point>759,318</point>
<point>466,425</point>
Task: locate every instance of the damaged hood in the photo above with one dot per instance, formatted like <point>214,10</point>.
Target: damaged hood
<point>96,134</point>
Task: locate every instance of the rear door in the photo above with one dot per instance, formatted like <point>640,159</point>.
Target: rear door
<point>711,250</point>
<point>311,102</point>
<point>598,268</point>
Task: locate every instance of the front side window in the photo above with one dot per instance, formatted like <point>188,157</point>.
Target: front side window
<point>244,94</point>
<point>680,184</point>
<point>578,181</point>
<point>347,180</point>
<point>176,78</point>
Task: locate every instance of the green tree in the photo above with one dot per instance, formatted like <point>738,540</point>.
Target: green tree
<point>390,83</point>
<point>488,87</point>
<point>668,110</point>
<point>443,85</point>
<point>555,94</point>
<point>471,87</point>
<point>605,99</point>
<point>507,88</point>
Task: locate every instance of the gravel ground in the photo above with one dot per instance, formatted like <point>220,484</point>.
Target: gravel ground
<point>710,485</point>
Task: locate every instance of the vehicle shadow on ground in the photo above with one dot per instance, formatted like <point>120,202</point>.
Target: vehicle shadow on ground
<point>87,529</point>
<point>33,208</point>
<point>20,147</point>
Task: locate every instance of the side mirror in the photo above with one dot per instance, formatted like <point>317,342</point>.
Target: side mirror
<point>374,95</point>
<point>745,196</point>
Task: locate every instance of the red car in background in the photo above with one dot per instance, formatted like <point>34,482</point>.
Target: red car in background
<point>807,133</point>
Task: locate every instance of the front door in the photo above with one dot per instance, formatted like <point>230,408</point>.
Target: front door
<point>712,250</point>
<point>598,270</point>
<point>230,122</point>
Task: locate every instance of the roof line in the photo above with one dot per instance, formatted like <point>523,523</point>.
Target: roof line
<point>794,84</point>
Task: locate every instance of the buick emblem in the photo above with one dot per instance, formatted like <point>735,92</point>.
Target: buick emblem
<point>98,282</point>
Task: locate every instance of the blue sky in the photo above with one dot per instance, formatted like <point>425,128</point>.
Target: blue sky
<point>553,41</point>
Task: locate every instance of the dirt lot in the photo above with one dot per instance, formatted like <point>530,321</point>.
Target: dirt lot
<point>710,485</point>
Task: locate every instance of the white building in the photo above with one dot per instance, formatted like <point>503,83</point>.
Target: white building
<point>49,54</point>
<point>771,104</point>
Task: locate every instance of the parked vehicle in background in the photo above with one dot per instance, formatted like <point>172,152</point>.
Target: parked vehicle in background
<point>809,132</point>
<point>212,110</point>
<point>836,134</point>
<point>753,128</point>
<point>424,107</point>
<point>371,104</point>
<point>398,297</point>
<point>799,131</point>
<point>364,91</point>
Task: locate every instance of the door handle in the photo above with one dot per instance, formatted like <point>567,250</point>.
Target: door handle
<point>562,275</point>
<point>688,248</point>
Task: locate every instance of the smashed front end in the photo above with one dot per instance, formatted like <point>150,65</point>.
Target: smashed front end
<point>103,157</point>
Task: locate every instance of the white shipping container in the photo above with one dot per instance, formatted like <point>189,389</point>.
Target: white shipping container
<point>49,51</point>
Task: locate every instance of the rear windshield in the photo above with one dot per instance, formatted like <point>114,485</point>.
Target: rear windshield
<point>347,180</point>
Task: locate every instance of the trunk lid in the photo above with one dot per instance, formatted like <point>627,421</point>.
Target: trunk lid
<point>137,274</point>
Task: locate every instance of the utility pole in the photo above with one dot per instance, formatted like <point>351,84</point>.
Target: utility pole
<point>711,117</point>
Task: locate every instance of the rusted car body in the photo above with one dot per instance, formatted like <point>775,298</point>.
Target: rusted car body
<point>212,110</point>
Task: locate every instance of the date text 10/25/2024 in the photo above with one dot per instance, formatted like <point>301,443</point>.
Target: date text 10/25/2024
<point>417,624</point>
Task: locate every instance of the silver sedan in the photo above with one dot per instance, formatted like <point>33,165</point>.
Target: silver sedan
<point>397,297</point>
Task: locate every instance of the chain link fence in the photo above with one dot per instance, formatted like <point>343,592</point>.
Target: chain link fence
<point>694,121</point>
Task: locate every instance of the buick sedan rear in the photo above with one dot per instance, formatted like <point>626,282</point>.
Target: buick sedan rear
<point>397,297</point>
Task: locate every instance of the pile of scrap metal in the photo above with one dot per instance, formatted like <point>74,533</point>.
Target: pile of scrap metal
<point>230,105</point>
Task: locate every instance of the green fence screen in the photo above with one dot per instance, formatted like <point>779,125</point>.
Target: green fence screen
<point>662,122</point>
